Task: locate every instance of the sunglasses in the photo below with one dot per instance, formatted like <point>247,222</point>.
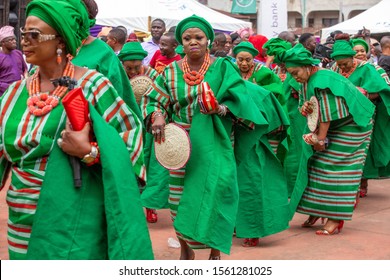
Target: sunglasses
<point>36,35</point>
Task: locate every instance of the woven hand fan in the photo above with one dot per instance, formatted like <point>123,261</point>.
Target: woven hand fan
<point>312,118</point>
<point>175,151</point>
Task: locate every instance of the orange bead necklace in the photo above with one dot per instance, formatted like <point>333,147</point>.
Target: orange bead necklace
<point>195,77</point>
<point>40,103</point>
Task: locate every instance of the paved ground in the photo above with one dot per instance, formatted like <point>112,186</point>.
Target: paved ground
<point>366,237</point>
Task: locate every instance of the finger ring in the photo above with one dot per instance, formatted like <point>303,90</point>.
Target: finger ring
<point>59,142</point>
<point>158,130</point>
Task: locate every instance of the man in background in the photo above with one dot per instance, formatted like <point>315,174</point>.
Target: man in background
<point>166,54</point>
<point>384,59</point>
<point>308,41</point>
<point>218,46</point>
<point>288,36</point>
<point>158,29</point>
<point>228,44</point>
<point>12,64</point>
<point>116,38</point>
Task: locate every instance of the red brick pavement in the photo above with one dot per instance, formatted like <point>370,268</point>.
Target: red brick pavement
<point>367,236</point>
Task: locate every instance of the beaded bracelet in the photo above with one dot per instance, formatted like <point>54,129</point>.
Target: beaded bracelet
<point>97,159</point>
<point>222,110</point>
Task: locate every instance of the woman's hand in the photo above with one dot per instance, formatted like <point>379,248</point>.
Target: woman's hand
<point>75,143</point>
<point>158,127</point>
<point>312,139</point>
<point>319,147</point>
<point>215,111</point>
<point>306,108</point>
<point>373,96</point>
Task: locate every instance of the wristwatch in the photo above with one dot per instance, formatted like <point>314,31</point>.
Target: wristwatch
<point>89,158</point>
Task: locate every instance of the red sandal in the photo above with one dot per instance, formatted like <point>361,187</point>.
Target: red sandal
<point>250,242</point>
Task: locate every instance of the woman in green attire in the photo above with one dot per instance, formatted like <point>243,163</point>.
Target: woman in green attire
<point>155,192</point>
<point>49,218</point>
<point>256,192</point>
<point>372,82</point>
<point>290,100</point>
<point>255,72</point>
<point>327,186</point>
<point>97,55</point>
<point>204,194</point>
<point>130,56</point>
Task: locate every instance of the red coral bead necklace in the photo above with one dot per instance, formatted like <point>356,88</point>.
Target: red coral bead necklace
<point>40,103</point>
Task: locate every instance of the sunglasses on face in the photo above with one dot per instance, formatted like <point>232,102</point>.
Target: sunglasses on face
<point>36,35</point>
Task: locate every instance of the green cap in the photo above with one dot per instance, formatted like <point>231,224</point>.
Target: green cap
<point>297,56</point>
<point>194,22</point>
<point>360,42</point>
<point>132,51</point>
<point>342,49</point>
<point>246,47</point>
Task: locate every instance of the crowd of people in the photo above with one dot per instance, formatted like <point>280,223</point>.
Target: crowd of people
<point>296,126</point>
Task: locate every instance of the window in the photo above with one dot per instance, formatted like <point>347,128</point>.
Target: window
<point>327,22</point>
<point>311,22</point>
<point>298,22</point>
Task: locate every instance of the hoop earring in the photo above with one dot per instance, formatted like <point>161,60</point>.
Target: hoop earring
<point>59,58</point>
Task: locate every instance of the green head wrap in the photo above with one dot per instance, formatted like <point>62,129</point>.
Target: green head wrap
<point>342,49</point>
<point>297,56</point>
<point>360,42</point>
<point>194,22</point>
<point>68,17</point>
<point>132,51</point>
<point>275,46</point>
<point>246,47</point>
<point>180,50</point>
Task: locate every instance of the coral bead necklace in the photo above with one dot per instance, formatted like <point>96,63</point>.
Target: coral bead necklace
<point>195,77</point>
<point>40,103</point>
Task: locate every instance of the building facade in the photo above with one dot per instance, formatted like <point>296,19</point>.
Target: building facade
<point>303,15</point>
<point>308,15</point>
<point>12,12</point>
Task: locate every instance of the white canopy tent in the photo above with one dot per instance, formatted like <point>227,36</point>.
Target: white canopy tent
<point>136,15</point>
<point>376,19</point>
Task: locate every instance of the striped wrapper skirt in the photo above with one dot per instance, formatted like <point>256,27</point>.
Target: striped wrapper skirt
<point>335,173</point>
<point>176,187</point>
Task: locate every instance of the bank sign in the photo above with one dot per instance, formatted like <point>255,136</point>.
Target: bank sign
<point>244,7</point>
<point>272,18</point>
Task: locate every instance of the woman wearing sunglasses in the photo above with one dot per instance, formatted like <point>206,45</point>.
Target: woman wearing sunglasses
<point>49,218</point>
